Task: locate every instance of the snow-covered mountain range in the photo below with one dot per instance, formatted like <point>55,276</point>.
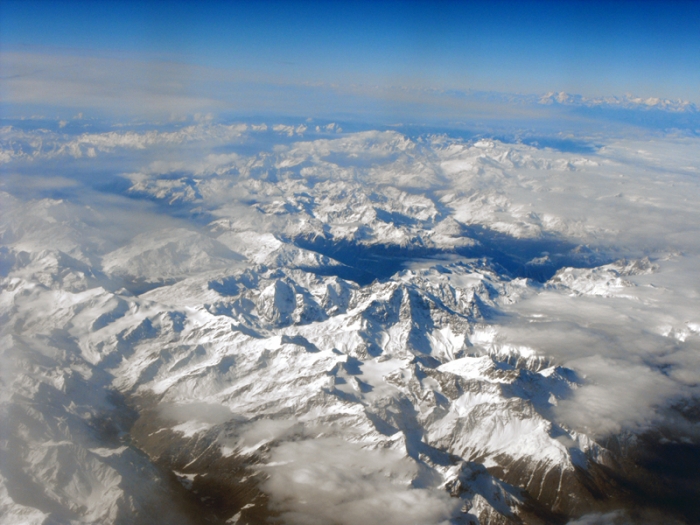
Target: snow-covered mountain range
<point>348,328</point>
<point>627,102</point>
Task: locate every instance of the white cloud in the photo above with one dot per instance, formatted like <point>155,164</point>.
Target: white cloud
<point>109,85</point>
<point>32,145</point>
<point>618,395</point>
<point>634,346</point>
<point>632,337</point>
<point>333,481</point>
<point>631,198</point>
<point>127,85</point>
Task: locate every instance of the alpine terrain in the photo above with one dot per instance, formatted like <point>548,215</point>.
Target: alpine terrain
<point>296,324</point>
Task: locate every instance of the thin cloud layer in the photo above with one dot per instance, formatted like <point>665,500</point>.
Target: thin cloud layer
<point>133,86</point>
<point>583,260</point>
<point>312,263</point>
<point>635,342</point>
<point>332,481</point>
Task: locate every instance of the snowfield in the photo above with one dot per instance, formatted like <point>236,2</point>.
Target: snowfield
<point>347,328</point>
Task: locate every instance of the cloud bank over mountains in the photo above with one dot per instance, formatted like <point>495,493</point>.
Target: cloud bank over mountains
<point>133,88</point>
<point>303,263</point>
<point>422,327</point>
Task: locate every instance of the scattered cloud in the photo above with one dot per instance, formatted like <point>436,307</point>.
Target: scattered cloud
<point>330,480</point>
<point>631,336</point>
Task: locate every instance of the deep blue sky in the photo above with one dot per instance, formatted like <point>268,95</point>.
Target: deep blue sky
<point>590,48</point>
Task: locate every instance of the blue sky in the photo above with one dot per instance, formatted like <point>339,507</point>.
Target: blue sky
<point>590,48</point>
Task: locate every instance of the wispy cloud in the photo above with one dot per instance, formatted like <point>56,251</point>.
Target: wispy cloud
<point>130,86</point>
<point>103,84</point>
<point>331,480</point>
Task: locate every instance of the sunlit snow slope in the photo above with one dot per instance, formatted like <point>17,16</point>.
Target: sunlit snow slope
<point>271,324</point>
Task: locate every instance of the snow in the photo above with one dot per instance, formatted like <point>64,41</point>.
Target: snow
<point>229,333</point>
